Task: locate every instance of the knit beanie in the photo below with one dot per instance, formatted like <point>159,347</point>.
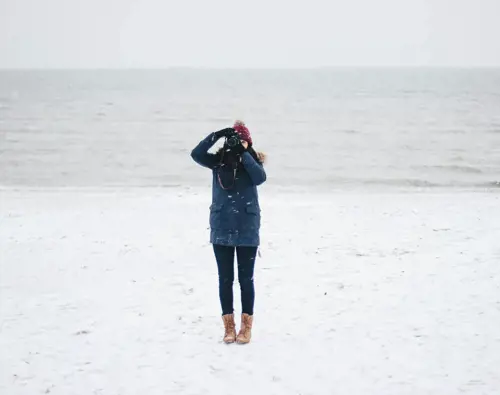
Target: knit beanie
<point>243,132</point>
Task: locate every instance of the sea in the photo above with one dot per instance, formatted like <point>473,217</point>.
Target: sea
<point>321,129</point>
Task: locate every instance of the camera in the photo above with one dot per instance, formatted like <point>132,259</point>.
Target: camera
<point>233,140</point>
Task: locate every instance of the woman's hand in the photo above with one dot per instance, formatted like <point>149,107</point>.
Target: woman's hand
<point>224,133</point>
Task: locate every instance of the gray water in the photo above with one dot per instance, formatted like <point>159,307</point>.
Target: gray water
<point>325,129</point>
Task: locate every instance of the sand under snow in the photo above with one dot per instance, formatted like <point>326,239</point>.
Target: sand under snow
<point>115,293</point>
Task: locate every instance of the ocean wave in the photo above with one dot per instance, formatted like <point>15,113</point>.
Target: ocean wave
<point>403,182</point>
<point>350,131</point>
<point>460,169</point>
<point>411,183</point>
<point>452,168</point>
<point>491,184</point>
<point>453,131</point>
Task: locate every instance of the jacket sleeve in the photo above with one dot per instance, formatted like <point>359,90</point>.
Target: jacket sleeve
<point>254,169</point>
<point>200,153</point>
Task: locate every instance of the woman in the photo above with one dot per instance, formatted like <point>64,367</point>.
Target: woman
<point>237,170</point>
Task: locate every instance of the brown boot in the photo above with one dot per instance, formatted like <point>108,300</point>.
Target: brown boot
<point>245,333</point>
<point>229,328</point>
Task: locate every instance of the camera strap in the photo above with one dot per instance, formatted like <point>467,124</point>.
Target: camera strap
<point>222,185</point>
<point>235,169</point>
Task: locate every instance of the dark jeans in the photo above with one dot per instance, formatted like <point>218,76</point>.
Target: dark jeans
<point>225,264</point>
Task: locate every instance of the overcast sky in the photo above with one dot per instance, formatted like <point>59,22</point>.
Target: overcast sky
<point>249,34</point>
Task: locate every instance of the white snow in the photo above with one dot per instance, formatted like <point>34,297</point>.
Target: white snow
<point>115,292</point>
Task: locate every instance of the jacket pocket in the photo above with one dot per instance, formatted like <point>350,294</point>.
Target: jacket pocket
<point>253,210</point>
<point>251,218</point>
<point>215,207</point>
<point>215,216</point>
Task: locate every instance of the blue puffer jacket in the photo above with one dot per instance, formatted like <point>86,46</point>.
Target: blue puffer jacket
<point>235,212</point>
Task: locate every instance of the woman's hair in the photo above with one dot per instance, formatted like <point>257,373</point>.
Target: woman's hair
<point>260,157</point>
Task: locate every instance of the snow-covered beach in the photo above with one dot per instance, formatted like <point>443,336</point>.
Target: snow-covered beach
<point>114,291</point>
<point>379,267</point>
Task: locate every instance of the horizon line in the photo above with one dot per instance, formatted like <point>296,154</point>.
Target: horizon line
<point>210,68</point>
